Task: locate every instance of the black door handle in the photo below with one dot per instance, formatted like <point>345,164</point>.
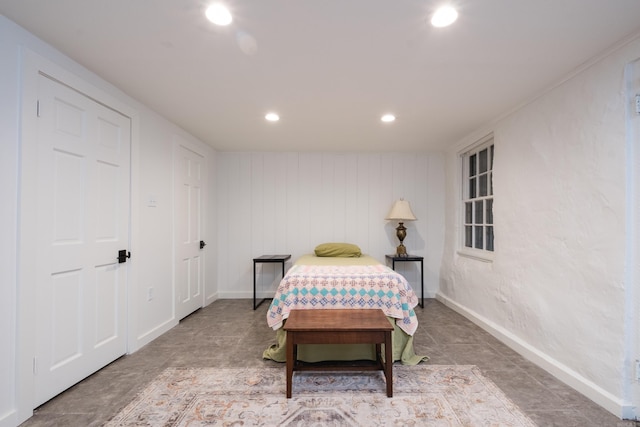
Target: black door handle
<point>202,244</point>
<point>123,255</point>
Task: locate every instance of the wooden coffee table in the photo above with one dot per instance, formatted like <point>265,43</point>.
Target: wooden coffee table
<point>339,326</point>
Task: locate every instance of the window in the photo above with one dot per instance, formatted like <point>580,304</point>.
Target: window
<point>477,198</point>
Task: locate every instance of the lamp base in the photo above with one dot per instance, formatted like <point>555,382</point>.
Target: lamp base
<point>401,251</point>
<point>401,233</point>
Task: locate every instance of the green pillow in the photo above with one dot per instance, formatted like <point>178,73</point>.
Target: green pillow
<point>344,250</point>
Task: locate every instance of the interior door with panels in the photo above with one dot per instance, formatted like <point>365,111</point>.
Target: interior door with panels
<point>189,245</point>
<point>82,222</point>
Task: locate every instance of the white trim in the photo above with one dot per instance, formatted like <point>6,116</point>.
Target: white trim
<point>608,401</point>
<point>631,385</point>
<point>150,335</point>
<point>475,146</point>
<point>248,295</point>
<point>133,344</point>
<point>10,419</point>
<point>471,253</point>
<point>461,170</point>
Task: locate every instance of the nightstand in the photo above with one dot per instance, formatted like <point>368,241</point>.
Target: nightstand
<point>282,259</point>
<point>410,258</point>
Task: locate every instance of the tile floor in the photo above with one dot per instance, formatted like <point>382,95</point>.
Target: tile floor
<point>444,335</point>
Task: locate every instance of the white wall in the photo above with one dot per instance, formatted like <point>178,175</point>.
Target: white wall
<point>9,75</point>
<point>556,288</point>
<point>151,243</point>
<point>154,235</point>
<point>276,203</point>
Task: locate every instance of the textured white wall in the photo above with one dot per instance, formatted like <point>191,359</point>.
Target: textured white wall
<point>274,203</point>
<point>556,287</point>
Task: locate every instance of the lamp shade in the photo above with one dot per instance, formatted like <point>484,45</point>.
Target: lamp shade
<point>401,211</point>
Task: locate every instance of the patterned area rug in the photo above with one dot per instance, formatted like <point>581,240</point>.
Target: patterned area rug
<point>424,395</point>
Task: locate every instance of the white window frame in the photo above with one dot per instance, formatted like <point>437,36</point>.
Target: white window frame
<point>477,232</point>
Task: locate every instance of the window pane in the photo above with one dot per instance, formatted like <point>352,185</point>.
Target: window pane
<point>491,183</point>
<point>484,161</point>
<point>478,242</point>
<point>468,213</point>
<point>478,209</point>
<point>491,160</point>
<point>477,199</point>
<point>482,180</point>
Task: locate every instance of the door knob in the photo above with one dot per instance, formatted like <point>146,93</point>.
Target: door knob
<point>202,244</point>
<point>123,255</point>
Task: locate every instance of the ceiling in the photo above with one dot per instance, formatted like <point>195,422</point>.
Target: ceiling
<point>330,68</point>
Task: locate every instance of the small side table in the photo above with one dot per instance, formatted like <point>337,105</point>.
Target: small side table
<point>409,258</point>
<point>282,259</point>
<point>339,326</point>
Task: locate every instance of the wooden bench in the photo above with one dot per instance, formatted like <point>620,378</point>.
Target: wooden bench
<point>339,326</point>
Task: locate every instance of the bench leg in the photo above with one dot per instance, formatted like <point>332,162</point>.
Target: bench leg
<point>291,360</point>
<point>388,363</point>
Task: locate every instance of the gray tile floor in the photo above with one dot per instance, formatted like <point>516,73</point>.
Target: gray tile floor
<point>444,335</point>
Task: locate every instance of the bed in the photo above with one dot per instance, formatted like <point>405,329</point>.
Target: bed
<point>344,282</point>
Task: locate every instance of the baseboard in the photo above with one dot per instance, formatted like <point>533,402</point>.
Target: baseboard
<point>154,333</point>
<point>10,419</point>
<point>563,373</point>
<point>210,298</point>
<point>243,295</point>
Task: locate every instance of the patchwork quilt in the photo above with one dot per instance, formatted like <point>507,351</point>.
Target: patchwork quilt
<point>355,286</point>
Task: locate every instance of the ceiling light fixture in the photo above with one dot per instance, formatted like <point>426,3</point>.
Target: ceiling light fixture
<point>218,14</point>
<point>444,17</point>
<point>388,118</point>
<point>272,117</point>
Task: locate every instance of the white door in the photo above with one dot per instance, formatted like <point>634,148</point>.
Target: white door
<point>82,222</point>
<point>189,169</point>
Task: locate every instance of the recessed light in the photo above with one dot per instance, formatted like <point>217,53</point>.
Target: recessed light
<point>272,117</point>
<point>444,17</point>
<point>388,118</point>
<point>218,14</point>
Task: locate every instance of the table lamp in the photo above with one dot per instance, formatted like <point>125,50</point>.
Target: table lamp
<point>401,211</point>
